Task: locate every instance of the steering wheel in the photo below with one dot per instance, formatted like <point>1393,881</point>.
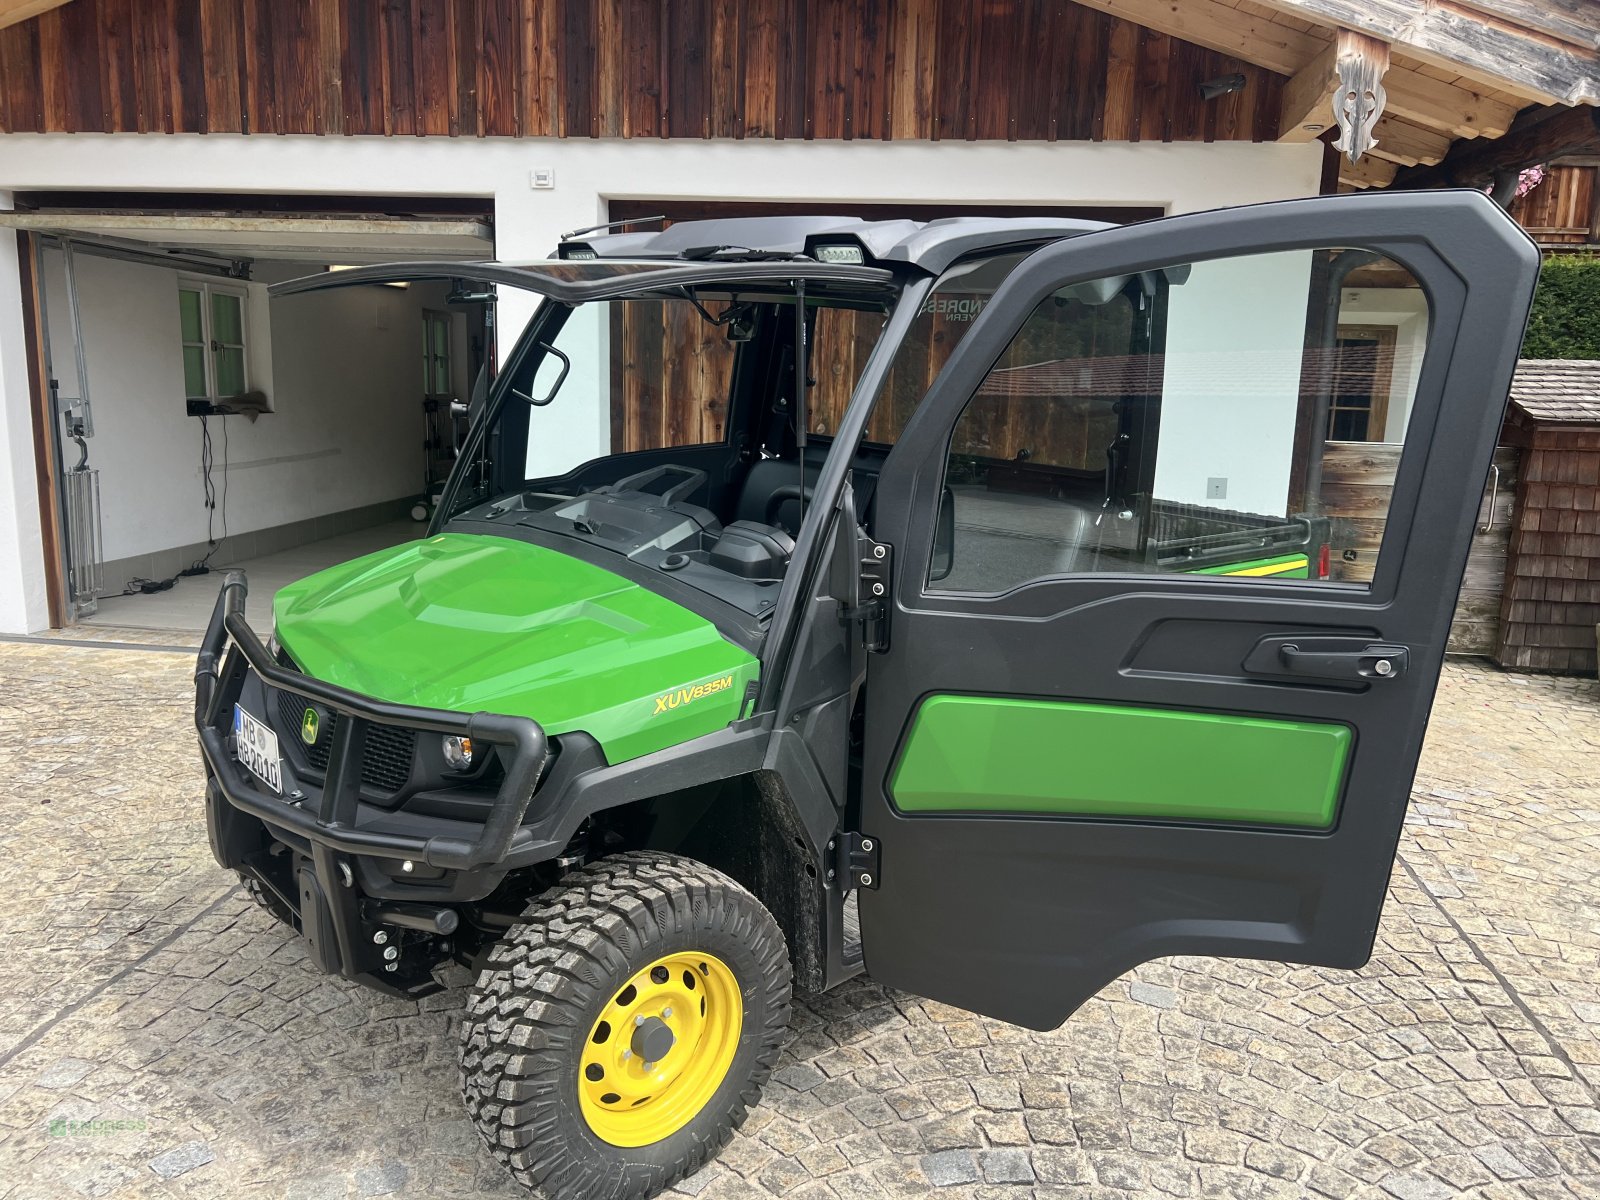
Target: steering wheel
<point>781,494</point>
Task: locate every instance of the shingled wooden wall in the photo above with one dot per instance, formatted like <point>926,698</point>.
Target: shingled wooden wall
<point>920,69</point>
<point>1552,597</point>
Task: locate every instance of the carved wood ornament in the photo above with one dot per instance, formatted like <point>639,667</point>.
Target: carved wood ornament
<point>1358,103</point>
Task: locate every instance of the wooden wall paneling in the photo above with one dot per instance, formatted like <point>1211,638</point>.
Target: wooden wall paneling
<point>921,69</point>
<point>499,65</point>
<point>1030,97</point>
<point>913,40</point>
<point>432,63</point>
<point>992,40</point>
<point>1189,66</point>
<point>761,43</point>
<point>609,88</point>
<point>540,86</point>
<point>297,77</point>
<point>258,68</point>
<point>1155,64</point>
<point>832,64</point>
<point>328,78</point>
<point>187,67</point>
<point>577,68</point>
<point>642,55</point>
<point>727,62</point>
<point>952,71</point>
<point>399,22</point>
<point>152,40</point>
<point>54,74</point>
<point>1089,76</point>
<point>82,108</point>
<point>874,68</point>
<point>118,91</point>
<point>1122,77</point>
<point>796,116</point>
<point>363,93</point>
<point>21,94</point>
<point>686,40</point>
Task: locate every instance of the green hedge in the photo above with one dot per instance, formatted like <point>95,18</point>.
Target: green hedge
<point>1565,322</point>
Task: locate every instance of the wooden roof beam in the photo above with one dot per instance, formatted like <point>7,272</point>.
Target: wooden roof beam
<point>1371,171</point>
<point>1457,110</point>
<point>1538,139</point>
<point>1450,35</point>
<point>13,12</point>
<point>1407,144</point>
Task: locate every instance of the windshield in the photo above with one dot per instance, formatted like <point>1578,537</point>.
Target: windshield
<point>641,375</point>
<point>669,428</point>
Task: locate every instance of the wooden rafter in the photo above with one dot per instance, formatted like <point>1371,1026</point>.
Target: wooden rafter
<point>1407,144</point>
<point>1450,35</point>
<point>1539,139</point>
<point>1371,171</point>
<point>14,11</point>
<point>1289,50</point>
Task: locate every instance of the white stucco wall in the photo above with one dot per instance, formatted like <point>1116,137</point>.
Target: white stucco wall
<point>1182,177</point>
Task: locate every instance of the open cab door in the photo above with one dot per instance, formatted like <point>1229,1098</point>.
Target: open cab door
<point>1166,692</point>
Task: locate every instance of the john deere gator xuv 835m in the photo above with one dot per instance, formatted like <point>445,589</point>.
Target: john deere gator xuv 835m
<point>980,604</point>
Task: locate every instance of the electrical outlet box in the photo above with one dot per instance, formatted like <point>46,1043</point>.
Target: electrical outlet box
<point>542,177</point>
<point>1217,488</point>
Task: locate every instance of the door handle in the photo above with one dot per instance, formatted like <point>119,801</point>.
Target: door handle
<point>1375,661</point>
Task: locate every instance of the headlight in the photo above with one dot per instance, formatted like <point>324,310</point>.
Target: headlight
<point>457,752</point>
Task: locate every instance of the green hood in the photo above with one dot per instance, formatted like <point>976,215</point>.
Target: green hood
<point>486,624</point>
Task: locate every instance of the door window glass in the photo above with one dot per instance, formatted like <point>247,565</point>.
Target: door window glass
<point>940,324</point>
<point>1213,418</point>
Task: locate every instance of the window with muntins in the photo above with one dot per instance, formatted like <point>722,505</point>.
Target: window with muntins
<point>212,323</point>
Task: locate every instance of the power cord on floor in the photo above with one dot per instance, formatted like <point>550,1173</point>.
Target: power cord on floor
<point>201,566</point>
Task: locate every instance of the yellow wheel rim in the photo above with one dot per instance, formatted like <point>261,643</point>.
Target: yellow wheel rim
<point>660,1049</point>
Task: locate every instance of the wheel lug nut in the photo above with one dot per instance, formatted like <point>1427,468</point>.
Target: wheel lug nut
<point>638,1020</point>
<point>666,1012</point>
<point>627,1054</point>
<point>649,1067</point>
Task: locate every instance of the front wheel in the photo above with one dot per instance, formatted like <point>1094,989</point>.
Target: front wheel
<point>620,1033</point>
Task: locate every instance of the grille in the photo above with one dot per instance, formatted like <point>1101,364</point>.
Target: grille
<point>385,760</point>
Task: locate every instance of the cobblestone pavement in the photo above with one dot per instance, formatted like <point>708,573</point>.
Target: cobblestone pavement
<point>161,1037</point>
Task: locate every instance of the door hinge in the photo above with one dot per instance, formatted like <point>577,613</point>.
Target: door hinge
<point>856,861</point>
<point>871,609</point>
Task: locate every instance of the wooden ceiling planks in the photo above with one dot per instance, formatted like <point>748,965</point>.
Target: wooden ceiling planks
<point>993,70</point>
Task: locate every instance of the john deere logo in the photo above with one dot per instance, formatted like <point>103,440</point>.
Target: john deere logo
<point>310,726</point>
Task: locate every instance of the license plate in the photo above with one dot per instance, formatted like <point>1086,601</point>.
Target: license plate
<point>257,748</point>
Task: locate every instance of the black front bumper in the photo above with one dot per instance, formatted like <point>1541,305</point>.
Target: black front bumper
<point>334,839</point>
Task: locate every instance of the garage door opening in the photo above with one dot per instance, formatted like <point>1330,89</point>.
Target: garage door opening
<point>195,423</point>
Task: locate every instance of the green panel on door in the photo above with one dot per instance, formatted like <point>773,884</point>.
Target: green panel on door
<point>983,754</point>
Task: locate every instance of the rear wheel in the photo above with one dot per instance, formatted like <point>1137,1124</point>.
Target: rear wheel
<point>618,1035</point>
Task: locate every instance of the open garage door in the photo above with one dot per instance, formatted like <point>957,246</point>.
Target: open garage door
<point>189,422</point>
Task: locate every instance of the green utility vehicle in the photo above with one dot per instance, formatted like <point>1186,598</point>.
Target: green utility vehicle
<point>986,605</point>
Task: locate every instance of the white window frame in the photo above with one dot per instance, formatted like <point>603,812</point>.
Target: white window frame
<point>207,288</point>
